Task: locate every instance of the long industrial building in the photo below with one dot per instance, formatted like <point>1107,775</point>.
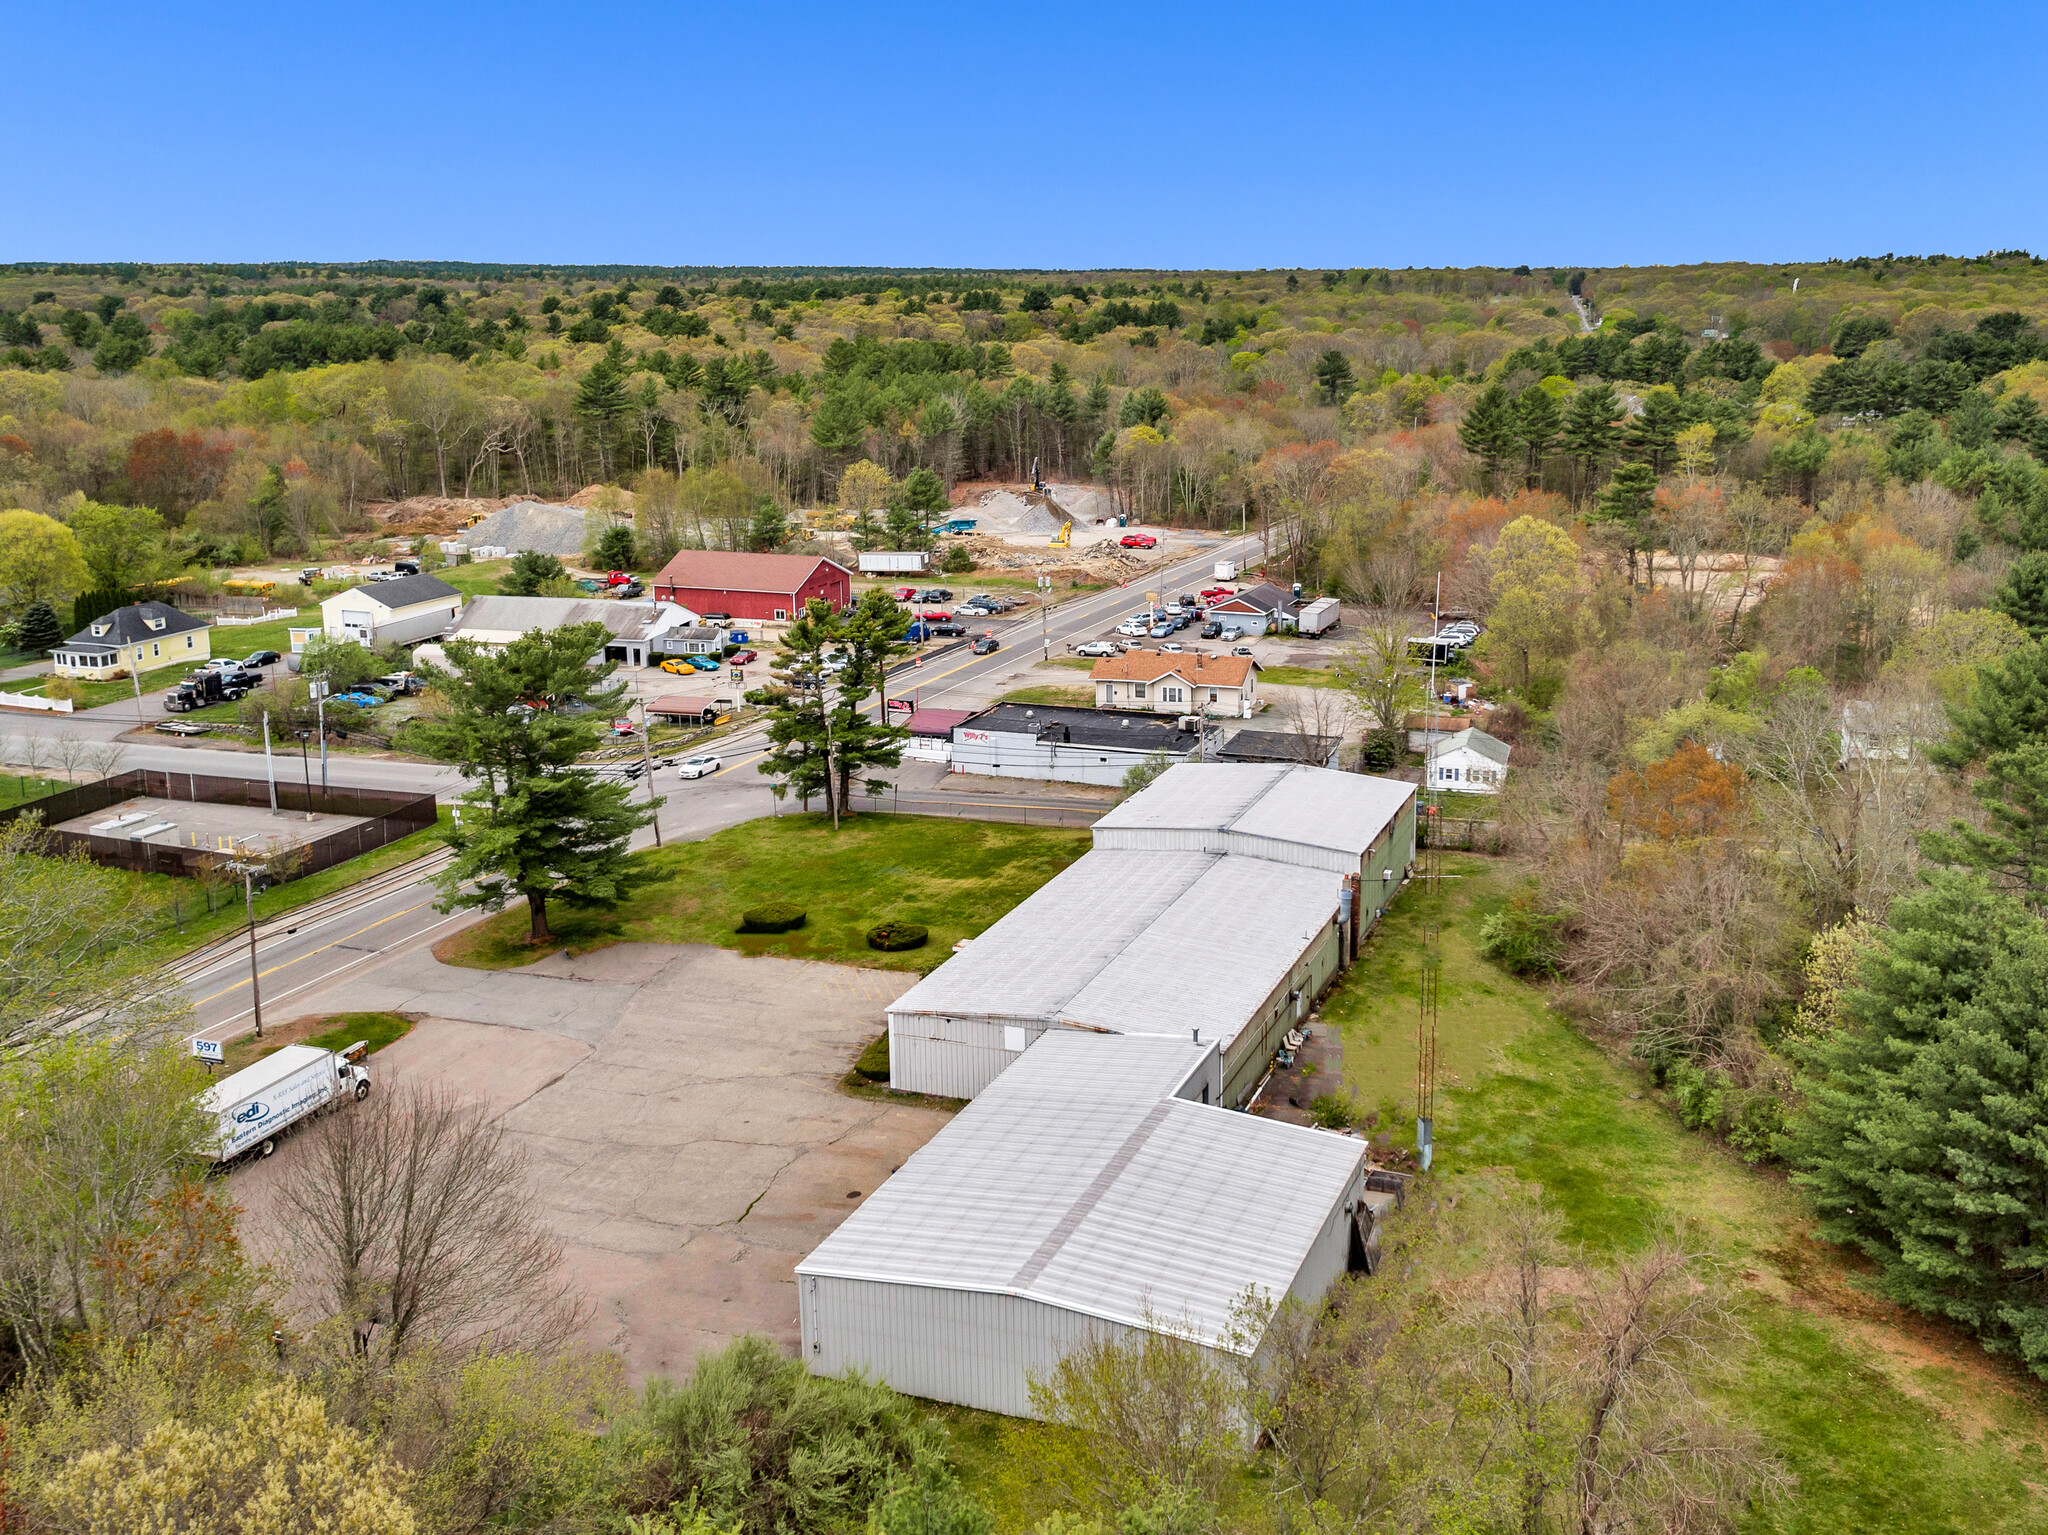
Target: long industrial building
<point>1094,1189</point>
<point>1215,907</point>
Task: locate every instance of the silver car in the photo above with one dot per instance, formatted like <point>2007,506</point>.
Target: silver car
<point>697,767</point>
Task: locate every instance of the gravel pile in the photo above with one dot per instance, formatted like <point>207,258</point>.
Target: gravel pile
<point>531,525</point>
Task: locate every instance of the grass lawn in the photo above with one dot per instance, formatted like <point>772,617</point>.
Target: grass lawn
<point>1890,1423</point>
<point>479,578</point>
<point>336,1031</point>
<point>1072,698</point>
<point>1298,676</point>
<point>1077,663</point>
<point>954,877</point>
<point>16,787</point>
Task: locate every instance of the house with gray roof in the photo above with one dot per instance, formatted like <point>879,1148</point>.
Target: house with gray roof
<point>1468,761</point>
<point>140,637</point>
<point>402,611</point>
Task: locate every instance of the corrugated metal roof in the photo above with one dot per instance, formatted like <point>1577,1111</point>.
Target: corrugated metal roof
<point>1312,806</point>
<point>1078,1180</point>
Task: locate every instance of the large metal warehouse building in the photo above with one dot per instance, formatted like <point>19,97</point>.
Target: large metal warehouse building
<point>1094,1189</point>
<point>1216,906</point>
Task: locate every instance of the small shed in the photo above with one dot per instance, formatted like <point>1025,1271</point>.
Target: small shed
<point>1282,746</point>
<point>1469,762</point>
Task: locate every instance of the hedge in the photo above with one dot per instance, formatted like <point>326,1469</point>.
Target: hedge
<point>874,1061</point>
<point>891,936</point>
<point>775,917</point>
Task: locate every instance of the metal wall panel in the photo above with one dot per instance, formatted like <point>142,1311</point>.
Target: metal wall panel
<point>951,1057</point>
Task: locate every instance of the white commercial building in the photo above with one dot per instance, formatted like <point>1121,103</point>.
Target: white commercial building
<point>1216,905</point>
<point>1094,1190</point>
<point>397,612</point>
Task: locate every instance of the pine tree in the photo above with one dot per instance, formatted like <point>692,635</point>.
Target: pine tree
<point>40,630</point>
<point>2019,418</point>
<point>798,733</point>
<point>1626,504</point>
<point>614,549</point>
<point>870,637</point>
<point>2023,595</point>
<point>529,571</point>
<point>1488,431</point>
<point>1652,435</point>
<point>1974,420</point>
<point>537,826</point>
<point>1333,375</point>
<point>1537,422</point>
<point>1590,432</point>
<point>2013,850</point>
<point>1919,1135</point>
<point>2007,708</point>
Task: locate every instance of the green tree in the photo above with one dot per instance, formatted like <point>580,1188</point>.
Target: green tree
<point>39,561</point>
<point>614,548</point>
<point>769,528</point>
<point>1800,460</point>
<point>120,351</point>
<point>1918,1139</point>
<point>1973,423</point>
<point>1333,376</point>
<point>2023,595</point>
<point>529,572</point>
<point>1625,506</point>
<point>121,545</point>
<point>1651,435</point>
<point>537,825</point>
<point>2012,849</point>
<point>2007,708</point>
<point>1488,431</point>
<point>799,732</point>
<point>267,507</point>
<point>871,636</point>
<point>341,664</point>
<point>1535,584</point>
<point>40,630</point>
<point>1537,424</point>
<point>922,491</point>
<point>1590,431</point>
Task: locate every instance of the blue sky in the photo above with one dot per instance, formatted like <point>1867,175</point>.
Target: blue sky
<point>1032,135</point>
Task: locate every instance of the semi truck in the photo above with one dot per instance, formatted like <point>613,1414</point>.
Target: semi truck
<point>207,687</point>
<point>259,1103</point>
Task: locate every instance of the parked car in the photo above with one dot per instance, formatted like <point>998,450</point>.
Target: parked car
<point>1241,650</point>
<point>258,658</point>
<point>935,594</point>
<point>1162,631</point>
<point>697,767</point>
<point>935,618</point>
<point>1136,628</point>
<point>1174,649</point>
<point>1138,541</point>
<point>1099,648</point>
<point>716,618</point>
<point>744,657</point>
<point>1212,630</point>
<point>702,663</point>
<point>1217,593</point>
<point>1231,632</point>
<point>946,630</point>
<point>1182,620</point>
<point>837,662</point>
<point>904,593</point>
<point>986,645</point>
<point>677,666</point>
<point>361,698</point>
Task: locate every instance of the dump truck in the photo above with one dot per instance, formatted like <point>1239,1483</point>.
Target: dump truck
<point>257,1104</point>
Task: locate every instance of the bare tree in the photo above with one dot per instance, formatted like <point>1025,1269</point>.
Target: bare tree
<point>103,759</point>
<point>1315,722</point>
<point>68,753</point>
<point>413,1219</point>
<point>1375,671</point>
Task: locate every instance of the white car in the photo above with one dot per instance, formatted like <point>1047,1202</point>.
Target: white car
<point>1099,648</point>
<point>1173,649</point>
<point>1231,632</point>
<point>837,662</point>
<point>697,767</point>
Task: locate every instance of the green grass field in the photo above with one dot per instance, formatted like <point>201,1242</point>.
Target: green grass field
<point>16,787</point>
<point>1890,1423</point>
<point>341,1031</point>
<point>1298,677</point>
<point>1053,697</point>
<point>954,877</point>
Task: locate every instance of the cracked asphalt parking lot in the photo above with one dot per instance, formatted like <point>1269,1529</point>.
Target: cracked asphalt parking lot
<point>681,1108</point>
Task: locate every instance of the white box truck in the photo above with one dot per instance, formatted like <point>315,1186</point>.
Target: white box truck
<point>1318,617</point>
<point>258,1103</point>
<point>1226,570</point>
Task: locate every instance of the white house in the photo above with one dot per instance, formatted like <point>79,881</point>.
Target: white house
<point>391,612</point>
<point>1469,762</point>
<point>1190,682</point>
<point>138,638</point>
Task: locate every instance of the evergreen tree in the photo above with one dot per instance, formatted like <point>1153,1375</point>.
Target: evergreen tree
<point>614,549</point>
<point>770,528</point>
<point>537,826</point>
<point>2019,418</point>
<point>921,491</point>
<point>798,754</point>
<point>529,572</point>
<point>1626,505</point>
<point>40,630</point>
<point>1333,376</point>
<point>2013,851</point>
<point>1974,421</point>
<point>1488,431</point>
<point>1537,423</point>
<point>1919,1137</point>
<point>2007,708</point>
<point>1590,432</point>
<point>2023,595</point>
<point>870,637</point>
<point>1652,435</point>
<point>267,507</point>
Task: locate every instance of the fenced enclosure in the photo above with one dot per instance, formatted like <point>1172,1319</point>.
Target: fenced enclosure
<point>380,817</point>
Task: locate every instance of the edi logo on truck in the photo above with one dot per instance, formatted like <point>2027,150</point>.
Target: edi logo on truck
<point>250,1114</point>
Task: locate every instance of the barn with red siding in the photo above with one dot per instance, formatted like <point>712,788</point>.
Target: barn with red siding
<point>762,587</point>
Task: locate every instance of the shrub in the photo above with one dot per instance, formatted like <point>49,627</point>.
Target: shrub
<point>1523,940</point>
<point>891,936</point>
<point>874,1061</point>
<point>957,561</point>
<point>775,917</point>
<point>1758,1124</point>
<point>1382,749</point>
<point>1330,1111</point>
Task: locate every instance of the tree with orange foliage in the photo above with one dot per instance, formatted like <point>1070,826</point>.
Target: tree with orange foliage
<point>1685,796</point>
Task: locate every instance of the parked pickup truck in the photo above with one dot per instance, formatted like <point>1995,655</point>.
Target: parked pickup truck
<point>259,1103</point>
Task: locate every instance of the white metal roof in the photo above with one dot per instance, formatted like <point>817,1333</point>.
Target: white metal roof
<point>1311,806</point>
<point>1139,942</point>
<point>1078,1180</point>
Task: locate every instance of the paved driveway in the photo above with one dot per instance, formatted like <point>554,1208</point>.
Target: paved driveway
<point>681,1109</point>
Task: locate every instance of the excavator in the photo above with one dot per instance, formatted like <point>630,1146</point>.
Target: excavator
<point>1065,537</point>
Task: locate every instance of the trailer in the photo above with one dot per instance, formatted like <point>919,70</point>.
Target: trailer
<point>1319,617</point>
<point>259,1103</point>
<point>876,562</point>
<point>1226,570</point>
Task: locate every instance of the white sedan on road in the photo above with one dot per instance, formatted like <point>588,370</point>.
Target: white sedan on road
<point>697,767</point>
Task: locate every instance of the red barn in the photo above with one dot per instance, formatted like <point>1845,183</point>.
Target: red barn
<point>761,587</point>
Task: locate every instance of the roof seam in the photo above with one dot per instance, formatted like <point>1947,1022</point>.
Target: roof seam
<point>1089,1197</point>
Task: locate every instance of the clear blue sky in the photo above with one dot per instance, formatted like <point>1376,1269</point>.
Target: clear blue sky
<point>1030,135</point>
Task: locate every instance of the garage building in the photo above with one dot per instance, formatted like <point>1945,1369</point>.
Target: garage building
<point>1094,1191</point>
<point>762,587</point>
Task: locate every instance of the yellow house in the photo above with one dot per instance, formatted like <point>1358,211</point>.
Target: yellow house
<point>138,638</point>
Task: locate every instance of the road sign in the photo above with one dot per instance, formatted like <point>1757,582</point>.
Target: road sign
<point>902,706</point>
<point>210,1050</point>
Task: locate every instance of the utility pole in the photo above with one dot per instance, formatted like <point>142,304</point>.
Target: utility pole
<point>140,718</point>
<point>320,713</point>
<point>255,976</point>
<point>647,760</point>
<point>306,772</point>
<point>1044,598</point>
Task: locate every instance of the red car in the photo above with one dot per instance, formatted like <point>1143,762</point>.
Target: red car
<point>742,658</point>
<point>1138,541</point>
<point>936,618</point>
<point>904,593</point>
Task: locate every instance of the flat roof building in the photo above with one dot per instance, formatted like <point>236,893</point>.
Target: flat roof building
<point>1060,744</point>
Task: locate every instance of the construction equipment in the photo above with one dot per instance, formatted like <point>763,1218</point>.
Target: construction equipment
<point>1065,537</point>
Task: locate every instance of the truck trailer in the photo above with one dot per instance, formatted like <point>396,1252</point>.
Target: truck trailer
<point>1318,617</point>
<point>1226,570</point>
<point>259,1103</point>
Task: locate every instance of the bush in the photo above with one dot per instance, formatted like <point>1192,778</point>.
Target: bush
<point>1330,1111</point>
<point>891,936</point>
<point>1382,749</point>
<point>775,917</point>
<point>957,561</point>
<point>1522,940</point>
<point>874,1061</point>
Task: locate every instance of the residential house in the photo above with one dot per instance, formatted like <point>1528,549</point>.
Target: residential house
<point>137,638</point>
<point>1468,762</point>
<point>1261,609</point>
<point>1282,746</point>
<point>1425,730</point>
<point>763,587</point>
<point>1887,730</point>
<point>400,612</point>
<point>636,629</point>
<point>690,639</point>
<point>1191,682</point>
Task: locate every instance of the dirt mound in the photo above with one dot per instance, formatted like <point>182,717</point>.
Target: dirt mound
<point>1098,562</point>
<point>1016,511</point>
<point>432,514</point>
<point>534,525</point>
<point>602,497</point>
